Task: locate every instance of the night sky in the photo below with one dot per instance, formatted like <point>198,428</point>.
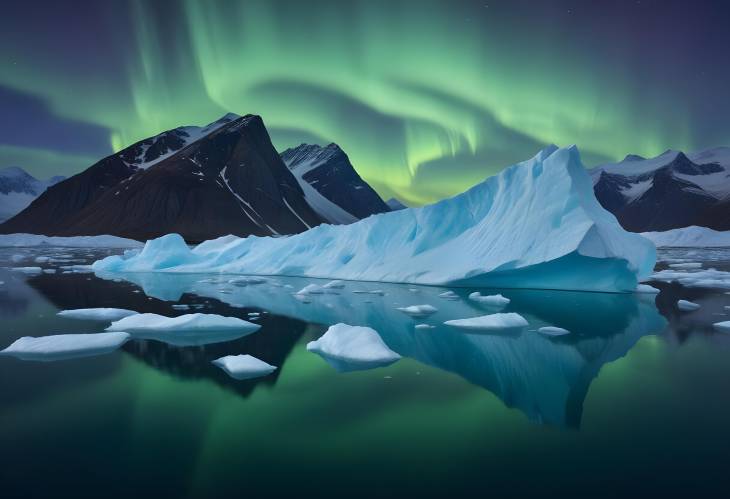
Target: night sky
<point>426,97</point>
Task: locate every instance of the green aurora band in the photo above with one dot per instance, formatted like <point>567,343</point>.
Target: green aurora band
<point>426,101</point>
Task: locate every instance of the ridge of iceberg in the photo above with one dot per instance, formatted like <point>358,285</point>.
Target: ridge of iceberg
<point>537,224</point>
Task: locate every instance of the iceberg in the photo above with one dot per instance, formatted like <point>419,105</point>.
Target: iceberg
<point>723,326</point>
<point>352,348</point>
<point>184,330</point>
<point>490,322</point>
<point>97,314</point>
<point>65,346</point>
<point>243,366</point>
<point>537,224</point>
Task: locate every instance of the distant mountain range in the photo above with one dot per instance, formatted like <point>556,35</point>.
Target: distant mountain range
<point>204,182</point>
<point>669,191</point>
<point>18,189</point>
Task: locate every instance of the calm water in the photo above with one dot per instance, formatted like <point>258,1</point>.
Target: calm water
<point>634,401</point>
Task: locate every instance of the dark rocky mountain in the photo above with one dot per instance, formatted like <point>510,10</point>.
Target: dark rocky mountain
<point>670,191</point>
<point>225,178</point>
<point>18,189</point>
<point>331,185</point>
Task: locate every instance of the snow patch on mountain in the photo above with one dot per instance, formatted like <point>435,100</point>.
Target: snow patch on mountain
<point>690,237</point>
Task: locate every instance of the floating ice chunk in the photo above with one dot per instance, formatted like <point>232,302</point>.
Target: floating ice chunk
<point>247,280</point>
<point>490,322</point>
<point>181,306</point>
<point>418,310</point>
<point>424,326</point>
<point>645,288</point>
<point>17,258</point>
<point>336,284</point>
<point>449,295</point>
<point>28,270</point>
<point>709,278</point>
<point>553,331</point>
<point>534,225</point>
<point>42,259</point>
<point>491,300</point>
<point>378,292</point>
<point>97,314</point>
<point>723,326</point>
<point>185,330</point>
<point>349,348</point>
<point>244,366</point>
<point>49,271</point>
<point>65,346</point>
<point>687,265</point>
<point>687,305</point>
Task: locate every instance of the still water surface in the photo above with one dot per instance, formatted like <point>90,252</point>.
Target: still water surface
<point>634,401</point>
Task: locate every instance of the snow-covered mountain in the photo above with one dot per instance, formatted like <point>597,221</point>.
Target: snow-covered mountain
<point>669,191</point>
<point>331,185</point>
<point>202,182</point>
<point>18,189</point>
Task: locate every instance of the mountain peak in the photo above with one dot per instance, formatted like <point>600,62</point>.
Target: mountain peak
<point>634,157</point>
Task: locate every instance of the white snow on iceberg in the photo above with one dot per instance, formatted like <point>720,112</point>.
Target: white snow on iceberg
<point>490,322</point>
<point>65,346</point>
<point>689,237</point>
<point>185,330</point>
<point>243,366</point>
<point>29,240</point>
<point>350,348</point>
<point>97,314</point>
<point>535,225</point>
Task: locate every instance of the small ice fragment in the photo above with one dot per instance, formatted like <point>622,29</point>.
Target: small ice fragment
<point>687,265</point>
<point>645,288</point>
<point>687,305</point>
<point>310,289</point>
<point>553,331</point>
<point>246,280</point>
<point>97,314</point>
<point>424,326</point>
<point>449,295</point>
<point>418,310</point>
<point>493,300</point>
<point>181,306</point>
<point>42,259</point>
<point>28,270</point>
<point>243,366</point>
<point>723,326</point>
<point>65,346</point>
<point>490,322</point>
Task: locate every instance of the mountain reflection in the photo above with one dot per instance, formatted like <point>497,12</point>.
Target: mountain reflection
<point>546,378</point>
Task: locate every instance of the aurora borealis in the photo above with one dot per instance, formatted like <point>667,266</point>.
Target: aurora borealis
<point>426,97</point>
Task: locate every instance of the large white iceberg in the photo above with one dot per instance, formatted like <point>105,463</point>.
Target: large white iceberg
<point>65,346</point>
<point>184,330</point>
<point>535,225</point>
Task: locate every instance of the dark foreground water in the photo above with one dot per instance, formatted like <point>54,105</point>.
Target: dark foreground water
<point>635,401</point>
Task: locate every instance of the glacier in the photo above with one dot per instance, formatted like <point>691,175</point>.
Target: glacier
<point>537,224</point>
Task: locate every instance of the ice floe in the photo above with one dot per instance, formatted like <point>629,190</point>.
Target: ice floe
<point>418,310</point>
<point>65,346</point>
<point>30,240</point>
<point>184,330</point>
<point>243,366</point>
<point>646,289</point>
<point>97,314</point>
<point>349,348</point>
<point>687,305</point>
<point>723,326</point>
<point>553,331</point>
<point>490,322</point>
<point>491,300</point>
